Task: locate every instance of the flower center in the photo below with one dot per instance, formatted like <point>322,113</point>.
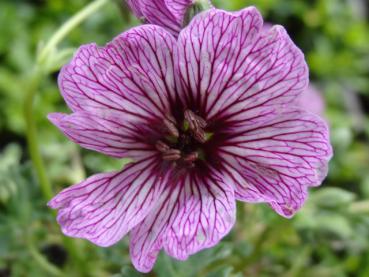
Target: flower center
<point>183,142</point>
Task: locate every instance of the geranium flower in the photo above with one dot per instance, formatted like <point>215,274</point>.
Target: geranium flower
<point>169,14</point>
<point>207,119</point>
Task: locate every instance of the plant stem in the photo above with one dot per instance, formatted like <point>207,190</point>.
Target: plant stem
<point>37,74</point>
<point>40,70</point>
<point>68,26</point>
<point>31,133</point>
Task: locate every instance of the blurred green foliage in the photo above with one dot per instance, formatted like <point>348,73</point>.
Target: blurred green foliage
<point>329,237</point>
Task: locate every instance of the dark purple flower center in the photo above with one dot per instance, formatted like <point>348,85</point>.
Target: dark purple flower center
<point>183,143</point>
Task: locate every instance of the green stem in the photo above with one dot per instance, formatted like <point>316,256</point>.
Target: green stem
<point>31,133</point>
<point>68,26</point>
<point>39,166</point>
<point>33,82</point>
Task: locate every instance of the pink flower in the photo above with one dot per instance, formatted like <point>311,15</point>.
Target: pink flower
<point>207,120</point>
<point>165,13</point>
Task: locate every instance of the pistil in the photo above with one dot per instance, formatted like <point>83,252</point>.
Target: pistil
<point>182,146</point>
<point>196,125</point>
<point>195,122</point>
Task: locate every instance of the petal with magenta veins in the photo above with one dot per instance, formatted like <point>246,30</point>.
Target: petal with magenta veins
<point>233,70</point>
<point>168,14</point>
<point>103,208</point>
<point>178,8</point>
<point>193,214</point>
<point>158,13</point>
<point>208,49</point>
<point>135,7</point>
<point>108,133</point>
<point>274,76</point>
<point>134,74</point>
<point>279,160</point>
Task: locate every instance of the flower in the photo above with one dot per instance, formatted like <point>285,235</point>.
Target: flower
<point>207,119</point>
<point>165,13</point>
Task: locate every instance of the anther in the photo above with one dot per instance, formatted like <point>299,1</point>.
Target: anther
<point>190,117</point>
<point>202,123</point>
<point>171,118</point>
<point>194,121</point>
<point>199,135</point>
<point>171,127</point>
<point>161,146</point>
<point>172,155</point>
<point>190,158</point>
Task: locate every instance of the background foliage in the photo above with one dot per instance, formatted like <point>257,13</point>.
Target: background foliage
<point>329,237</point>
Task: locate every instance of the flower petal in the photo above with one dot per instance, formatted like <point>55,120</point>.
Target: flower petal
<point>106,206</point>
<point>133,73</point>
<point>107,133</point>
<point>194,213</point>
<point>311,98</point>
<point>209,48</point>
<point>230,67</point>
<point>135,7</point>
<point>168,14</point>
<point>278,160</point>
<point>157,12</point>
<point>178,8</point>
<point>206,213</point>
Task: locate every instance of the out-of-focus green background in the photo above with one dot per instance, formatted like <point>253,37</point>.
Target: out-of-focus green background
<point>329,237</point>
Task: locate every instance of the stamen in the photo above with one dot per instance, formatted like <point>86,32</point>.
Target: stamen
<point>180,144</point>
<point>194,121</point>
<point>196,125</point>
<point>199,135</point>
<point>190,158</point>
<point>190,117</point>
<point>172,155</point>
<point>201,122</point>
<point>173,131</point>
<point>161,146</point>
<point>171,118</point>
